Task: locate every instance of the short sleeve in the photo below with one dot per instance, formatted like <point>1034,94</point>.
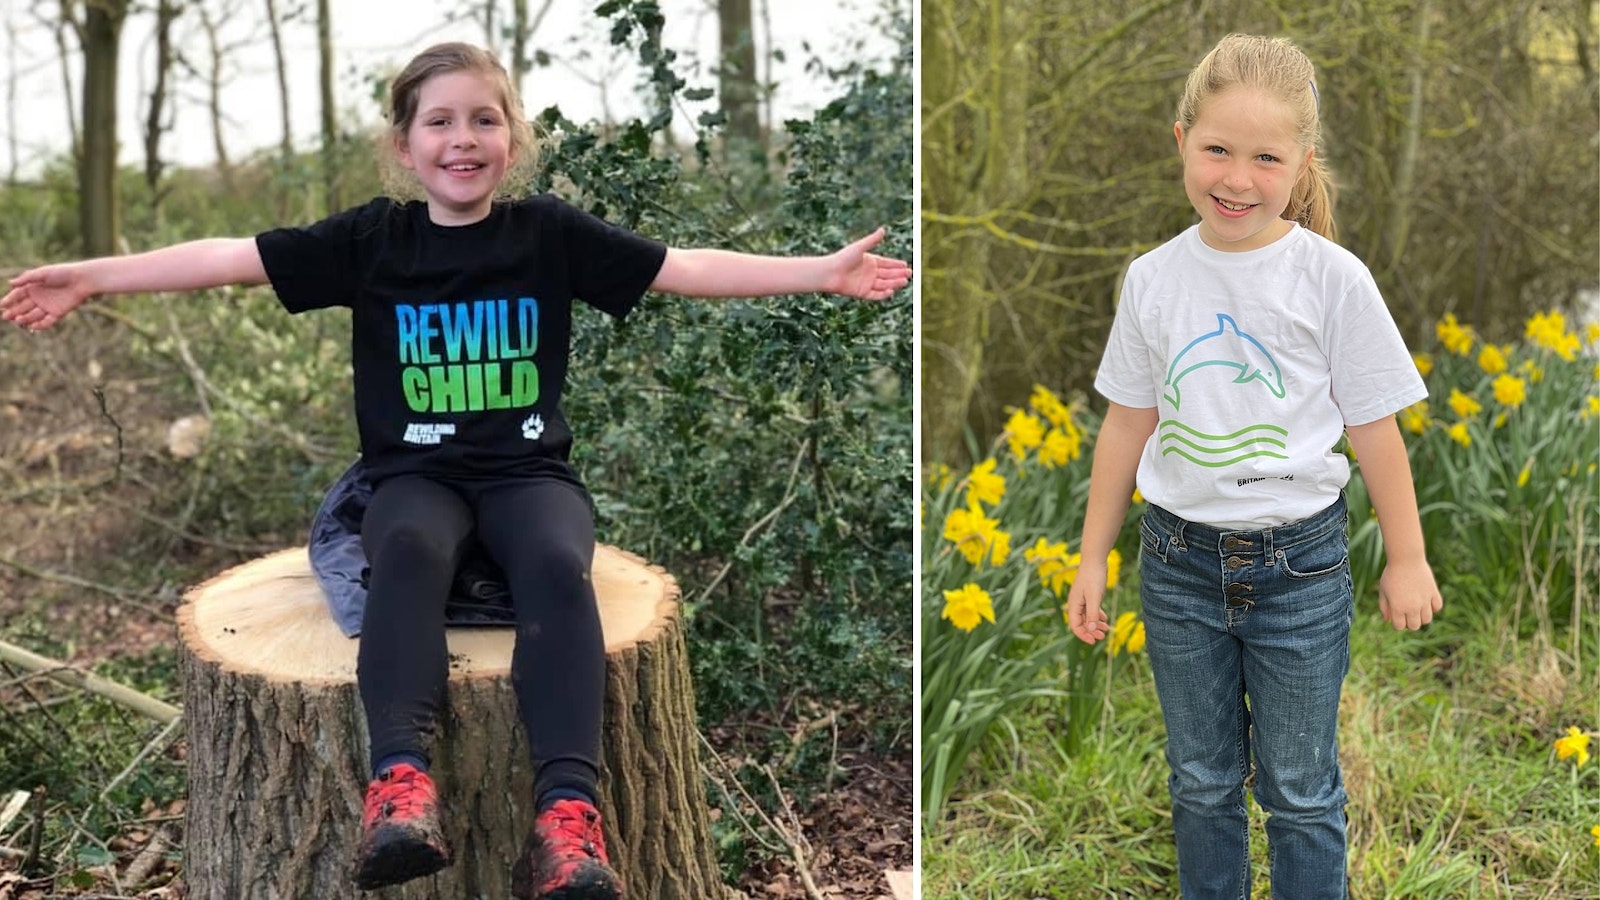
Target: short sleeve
<point>610,267</point>
<point>319,265</point>
<point>1372,372</point>
<point>1124,375</point>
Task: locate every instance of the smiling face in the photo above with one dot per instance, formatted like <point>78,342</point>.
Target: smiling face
<point>458,144</point>
<point>1240,163</point>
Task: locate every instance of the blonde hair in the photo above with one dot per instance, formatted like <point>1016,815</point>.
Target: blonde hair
<point>405,93</point>
<point>1278,67</point>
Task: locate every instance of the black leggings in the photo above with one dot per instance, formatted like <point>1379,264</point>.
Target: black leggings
<point>541,532</point>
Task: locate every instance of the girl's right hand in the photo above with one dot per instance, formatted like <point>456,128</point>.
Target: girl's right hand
<point>1085,616</point>
<point>39,298</point>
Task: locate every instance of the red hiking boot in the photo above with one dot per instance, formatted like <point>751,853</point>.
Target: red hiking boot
<point>400,834</point>
<point>565,857</point>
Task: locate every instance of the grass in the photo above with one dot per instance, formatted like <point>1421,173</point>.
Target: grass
<point>1446,734</point>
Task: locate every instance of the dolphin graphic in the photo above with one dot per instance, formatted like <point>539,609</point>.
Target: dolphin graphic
<point>1227,346</point>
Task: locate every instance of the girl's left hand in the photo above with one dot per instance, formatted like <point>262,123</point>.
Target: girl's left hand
<point>857,273</point>
<point>1408,596</point>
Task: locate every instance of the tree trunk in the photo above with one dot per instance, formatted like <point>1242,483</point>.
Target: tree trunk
<point>11,104</point>
<point>275,29</point>
<point>993,175</point>
<point>519,44</point>
<point>166,12</point>
<point>63,54</point>
<point>330,131</point>
<point>736,75</point>
<point>213,77</point>
<point>97,178</point>
<point>277,744</point>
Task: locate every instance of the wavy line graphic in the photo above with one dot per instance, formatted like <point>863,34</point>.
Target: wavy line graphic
<point>1214,451</point>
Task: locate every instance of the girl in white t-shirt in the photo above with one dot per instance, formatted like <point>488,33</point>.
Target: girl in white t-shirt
<point>1241,352</point>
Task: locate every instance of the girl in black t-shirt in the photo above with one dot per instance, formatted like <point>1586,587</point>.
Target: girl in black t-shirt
<point>462,324</point>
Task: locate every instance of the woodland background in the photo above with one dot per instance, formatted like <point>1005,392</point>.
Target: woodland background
<point>1461,134</point>
<point>761,452</point>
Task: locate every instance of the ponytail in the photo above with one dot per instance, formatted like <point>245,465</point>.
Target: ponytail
<point>1311,203</point>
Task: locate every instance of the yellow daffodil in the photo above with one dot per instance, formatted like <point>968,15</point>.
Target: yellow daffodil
<point>966,607</point>
<point>1061,446</point>
<point>1113,567</point>
<point>1535,372</point>
<point>1576,743</point>
<point>1596,832</point>
<point>1492,359</point>
<point>1545,328</point>
<point>1455,337</point>
<point>1414,418</point>
<point>1000,548</point>
<point>1051,560</point>
<point>1424,363</point>
<point>939,476</point>
<point>1459,434</point>
<point>984,485</point>
<point>1591,332</point>
<point>1047,404</point>
<point>1591,407</point>
<point>1126,634</point>
<point>1525,474</point>
<point>1137,497</point>
<point>1550,330</point>
<point>1510,390</point>
<point>976,535</point>
<point>1464,405</point>
<point>1024,432</point>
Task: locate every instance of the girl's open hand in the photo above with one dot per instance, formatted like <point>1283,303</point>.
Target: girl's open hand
<point>857,273</point>
<point>39,298</point>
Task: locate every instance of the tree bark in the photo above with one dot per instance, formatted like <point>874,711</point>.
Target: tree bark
<point>213,76</point>
<point>12,143</point>
<point>736,75</point>
<point>330,131</point>
<point>277,744</point>
<point>522,30</point>
<point>63,54</point>
<point>281,68</point>
<point>97,179</point>
<point>166,12</point>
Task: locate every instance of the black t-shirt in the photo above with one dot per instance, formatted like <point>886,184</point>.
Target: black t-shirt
<point>460,335</point>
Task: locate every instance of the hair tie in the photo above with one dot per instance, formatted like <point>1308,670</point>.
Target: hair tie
<point>1314,98</point>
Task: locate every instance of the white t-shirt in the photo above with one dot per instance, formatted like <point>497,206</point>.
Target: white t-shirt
<point>1256,362</point>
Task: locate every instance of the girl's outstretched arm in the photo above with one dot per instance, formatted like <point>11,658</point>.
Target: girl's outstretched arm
<point>851,271</point>
<point>1123,435</point>
<point>1407,594</point>
<point>41,297</point>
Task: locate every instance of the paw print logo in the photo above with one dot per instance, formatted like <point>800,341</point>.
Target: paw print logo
<point>532,427</point>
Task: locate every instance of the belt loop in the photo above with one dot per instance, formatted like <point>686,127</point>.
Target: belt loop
<point>1266,539</point>
<point>1177,535</point>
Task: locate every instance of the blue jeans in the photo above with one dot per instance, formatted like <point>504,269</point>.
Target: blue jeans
<point>1262,616</point>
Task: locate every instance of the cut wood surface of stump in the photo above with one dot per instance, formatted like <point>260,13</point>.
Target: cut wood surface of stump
<point>278,748</point>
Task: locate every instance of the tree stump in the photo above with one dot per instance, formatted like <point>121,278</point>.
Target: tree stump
<point>277,744</point>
